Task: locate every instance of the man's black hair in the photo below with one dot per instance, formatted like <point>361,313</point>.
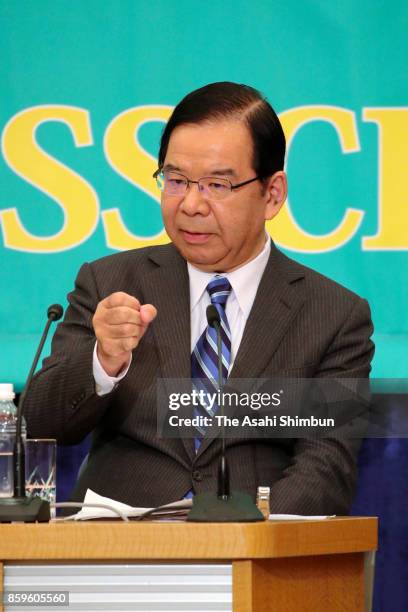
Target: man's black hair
<point>226,100</point>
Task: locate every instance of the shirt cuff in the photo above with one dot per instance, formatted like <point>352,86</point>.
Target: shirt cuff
<point>104,383</point>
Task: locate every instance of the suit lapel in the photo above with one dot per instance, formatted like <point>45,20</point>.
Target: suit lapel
<point>167,288</point>
<point>276,304</point>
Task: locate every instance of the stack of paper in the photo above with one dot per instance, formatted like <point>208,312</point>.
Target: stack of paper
<point>174,511</point>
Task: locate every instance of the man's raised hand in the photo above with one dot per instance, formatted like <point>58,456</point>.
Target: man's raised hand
<point>120,322</point>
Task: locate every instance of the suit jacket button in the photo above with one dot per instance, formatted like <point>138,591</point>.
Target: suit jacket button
<point>197,476</point>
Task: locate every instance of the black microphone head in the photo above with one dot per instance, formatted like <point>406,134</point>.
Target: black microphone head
<point>55,312</point>
<point>213,316</point>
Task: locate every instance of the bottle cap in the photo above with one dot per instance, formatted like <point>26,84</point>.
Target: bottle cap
<point>262,501</point>
<point>7,391</point>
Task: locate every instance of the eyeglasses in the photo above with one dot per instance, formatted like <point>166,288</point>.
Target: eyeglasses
<point>173,183</point>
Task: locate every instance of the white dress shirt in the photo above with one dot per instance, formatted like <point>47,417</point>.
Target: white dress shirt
<point>244,285</point>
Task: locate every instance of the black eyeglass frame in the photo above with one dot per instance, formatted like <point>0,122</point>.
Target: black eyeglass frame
<point>256,178</point>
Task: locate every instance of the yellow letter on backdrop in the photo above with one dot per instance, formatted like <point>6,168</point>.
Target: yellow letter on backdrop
<point>131,161</point>
<point>283,227</point>
<point>70,191</point>
<point>392,231</point>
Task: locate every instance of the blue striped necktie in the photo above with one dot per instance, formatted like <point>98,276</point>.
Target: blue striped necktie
<point>204,359</point>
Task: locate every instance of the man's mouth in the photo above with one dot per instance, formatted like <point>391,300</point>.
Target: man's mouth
<point>195,237</point>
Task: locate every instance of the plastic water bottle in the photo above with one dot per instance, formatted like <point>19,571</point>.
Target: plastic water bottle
<point>8,419</point>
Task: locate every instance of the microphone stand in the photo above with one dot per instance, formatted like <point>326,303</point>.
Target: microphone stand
<point>223,506</point>
<point>21,508</point>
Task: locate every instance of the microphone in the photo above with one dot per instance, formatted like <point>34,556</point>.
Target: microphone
<point>20,507</point>
<point>213,316</point>
<point>55,312</point>
<point>225,507</point>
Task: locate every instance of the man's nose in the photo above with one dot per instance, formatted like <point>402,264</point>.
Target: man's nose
<point>194,201</point>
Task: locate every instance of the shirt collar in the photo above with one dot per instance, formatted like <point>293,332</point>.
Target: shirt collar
<point>244,280</point>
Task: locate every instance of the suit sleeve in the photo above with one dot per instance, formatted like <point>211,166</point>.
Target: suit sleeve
<point>63,402</point>
<point>321,478</point>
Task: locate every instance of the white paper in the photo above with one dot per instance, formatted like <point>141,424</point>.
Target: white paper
<point>298,517</point>
<point>95,513</point>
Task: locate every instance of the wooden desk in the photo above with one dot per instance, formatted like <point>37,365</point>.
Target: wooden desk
<point>315,566</point>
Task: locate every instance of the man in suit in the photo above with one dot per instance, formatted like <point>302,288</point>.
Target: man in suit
<point>137,316</point>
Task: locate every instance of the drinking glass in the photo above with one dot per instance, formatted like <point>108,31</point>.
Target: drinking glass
<point>40,468</point>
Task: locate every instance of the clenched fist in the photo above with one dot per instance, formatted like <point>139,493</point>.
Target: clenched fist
<point>119,323</point>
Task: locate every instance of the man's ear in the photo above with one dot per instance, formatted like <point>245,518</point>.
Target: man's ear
<point>276,191</point>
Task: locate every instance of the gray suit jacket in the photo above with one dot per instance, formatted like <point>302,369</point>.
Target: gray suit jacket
<point>301,325</point>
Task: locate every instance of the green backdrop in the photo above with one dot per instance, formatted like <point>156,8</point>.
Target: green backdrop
<point>85,88</point>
